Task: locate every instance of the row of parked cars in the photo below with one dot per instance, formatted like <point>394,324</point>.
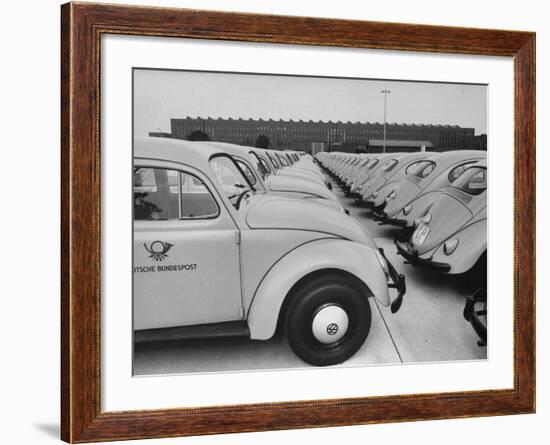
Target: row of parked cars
<point>439,200</point>
<point>241,241</point>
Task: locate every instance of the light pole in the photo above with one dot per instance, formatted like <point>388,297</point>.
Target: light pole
<point>385,92</point>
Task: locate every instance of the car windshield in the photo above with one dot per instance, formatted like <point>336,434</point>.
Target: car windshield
<point>473,181</point>
<point>421,169</point>
<point>234,183</point>
<point>273,160</point>
<point>282,160</point>
<point>262,167</point>
<point>247,171</point>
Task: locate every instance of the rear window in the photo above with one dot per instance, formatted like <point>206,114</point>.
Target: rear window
<point>473,181</point>
<point>458,170</point>
<point>373,163</point>
<point>421,169</point>
<point>389,165</point>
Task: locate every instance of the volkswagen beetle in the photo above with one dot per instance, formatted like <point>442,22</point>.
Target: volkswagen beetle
<point>221,258</point>
<point>391,171</point>
<point>259,174</point>
<point>427,175</point>
<point>410,215</point>
<point>452,236</point>
<point>279,168</point>
<point>377,198</point>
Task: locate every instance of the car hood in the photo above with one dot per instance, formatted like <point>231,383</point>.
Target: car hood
<point>277,212</point>
<point>283,183</point>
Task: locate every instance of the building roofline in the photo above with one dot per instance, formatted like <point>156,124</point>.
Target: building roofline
<point>329,122</point>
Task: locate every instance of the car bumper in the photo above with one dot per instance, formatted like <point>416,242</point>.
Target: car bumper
<point>474,317</point>
<point>397,282</point>
<point>381,216</point>
<point>415,260</point>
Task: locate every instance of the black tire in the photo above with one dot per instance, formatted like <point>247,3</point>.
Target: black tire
<point>322,292</point>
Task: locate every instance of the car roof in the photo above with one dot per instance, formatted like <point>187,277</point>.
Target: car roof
<point>457,155</point>
<point>175,150</point>
<point>480,163</point>
<point>233,149</point>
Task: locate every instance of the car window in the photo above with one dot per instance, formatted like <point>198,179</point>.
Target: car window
<point>282,160</point>
<point>412,166</point>
<point>422,169</point>
<point>275,163</point>
<point>473,181</point>
<point>261,165</point>
<point>233,181</point>
<point>196,201</point>
<point>458,170</point>
<point>144,181</point>
<point>164,194</point>
<point>248,172</point>
<point>373,163</point>
<point>389,165</point>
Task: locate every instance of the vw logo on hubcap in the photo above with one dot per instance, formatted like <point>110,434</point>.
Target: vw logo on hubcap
<point>330,323</point>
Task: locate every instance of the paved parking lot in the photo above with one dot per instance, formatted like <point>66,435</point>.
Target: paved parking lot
<point>428,328</point>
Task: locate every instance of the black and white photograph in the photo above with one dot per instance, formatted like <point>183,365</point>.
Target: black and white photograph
<point>284,221</point>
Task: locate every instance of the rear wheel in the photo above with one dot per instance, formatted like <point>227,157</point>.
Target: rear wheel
<point>477,275</point>
<point>328,320</point>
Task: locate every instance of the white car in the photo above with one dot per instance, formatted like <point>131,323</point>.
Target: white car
<point>259,174</point>
<point>452,236</point>
<point>222,259</point>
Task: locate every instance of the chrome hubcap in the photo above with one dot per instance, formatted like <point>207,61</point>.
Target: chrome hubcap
<point>330,323</point>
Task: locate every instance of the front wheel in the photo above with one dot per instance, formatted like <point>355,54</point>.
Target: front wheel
<point>328,320</point>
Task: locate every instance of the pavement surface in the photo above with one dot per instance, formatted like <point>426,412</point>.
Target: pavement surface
<point>429,327</point>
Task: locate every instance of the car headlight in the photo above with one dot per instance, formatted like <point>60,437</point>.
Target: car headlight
<point>407,209</point>
<point>450,246</point>
<point>383,263</point>
<point>392,195</point>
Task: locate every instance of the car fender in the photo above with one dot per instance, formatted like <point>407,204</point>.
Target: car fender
<point>383,192</point>
<point>472,242</point>
<point>420,206</point>
<point>357,259</point>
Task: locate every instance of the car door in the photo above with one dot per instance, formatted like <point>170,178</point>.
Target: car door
<point>186,252</point>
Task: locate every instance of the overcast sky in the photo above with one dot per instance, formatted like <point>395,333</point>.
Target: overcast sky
<point>161,95</point>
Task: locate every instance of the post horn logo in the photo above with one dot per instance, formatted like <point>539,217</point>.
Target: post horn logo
<point>158,250</point>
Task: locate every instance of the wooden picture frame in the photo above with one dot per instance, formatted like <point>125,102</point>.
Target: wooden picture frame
<point>82,26</point>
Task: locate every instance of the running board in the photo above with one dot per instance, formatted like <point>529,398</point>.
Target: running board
<point>211,330</point>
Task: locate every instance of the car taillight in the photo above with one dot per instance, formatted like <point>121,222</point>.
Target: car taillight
<point>450,246</point>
